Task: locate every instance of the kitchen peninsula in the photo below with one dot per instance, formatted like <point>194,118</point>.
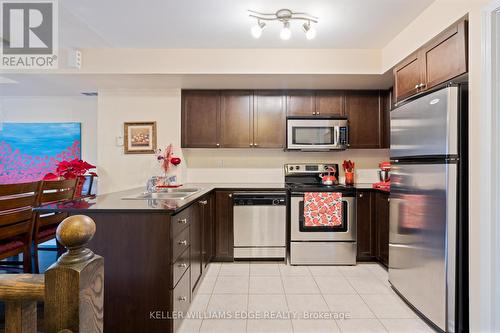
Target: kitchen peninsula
<point>167,245</point>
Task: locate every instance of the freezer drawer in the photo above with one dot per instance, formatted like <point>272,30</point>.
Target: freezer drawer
<point>422,238</point>
<point>427,126</point>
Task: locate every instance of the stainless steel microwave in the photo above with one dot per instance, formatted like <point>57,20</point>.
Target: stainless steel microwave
<point>317,134</point>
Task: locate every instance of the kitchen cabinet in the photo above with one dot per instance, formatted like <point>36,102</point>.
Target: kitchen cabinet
<point>387,105</point>
<point>196,236</point>
<point>269,118</point>
<point>408,76</point>
<point>440,60</point>
<point>257,119</point>
<point>236,114</point>
<point>445,56</point>
<point>382,227</point>
<point>200,118</point>
<point>301,103</point>
<point>372,210</point>
<point>330,103</point>
<point>207,208</point>
<point>365,226</point>
<point>364,111</point>
<point>224,238</point>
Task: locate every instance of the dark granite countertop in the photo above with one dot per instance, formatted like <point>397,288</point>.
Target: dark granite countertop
<point>115,201</point>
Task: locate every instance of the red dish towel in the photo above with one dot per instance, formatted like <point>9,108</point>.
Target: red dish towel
<point>322,209</point>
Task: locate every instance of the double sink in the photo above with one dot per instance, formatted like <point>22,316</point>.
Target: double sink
<point>165,194</point>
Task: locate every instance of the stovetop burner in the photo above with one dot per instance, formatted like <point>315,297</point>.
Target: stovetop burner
<point>300,178</point>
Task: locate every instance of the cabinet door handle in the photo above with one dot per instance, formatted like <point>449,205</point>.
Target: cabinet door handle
<point>203,202</point>
<point>183,242</point>
<point>255,145</point>
<point>422,85</point>
<point>182,299</point>
<point>182,221</point>
<point>361,195</point>
<point>183,265</point>
<point>388,199</point>
<point>314,112</point>
<point>217,144</point>
<point>416,86</point>
<point>251,144</point>
<point>230,195</point>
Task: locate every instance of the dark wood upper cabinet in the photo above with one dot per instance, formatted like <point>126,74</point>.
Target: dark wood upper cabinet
<point>445,57</point>
<point>257,119</point>
<point>224,238</point>
<point>438,61</point>
<point>269,119</point>
<point>363,109</point>
<point>301,103</point>
<point>408,76</point>
<point>387,103</point>
<point>330,103</point>
<point>236,113</point>
<point>200,118</point>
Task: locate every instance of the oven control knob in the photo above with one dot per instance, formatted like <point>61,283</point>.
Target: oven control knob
<point>276,202</point>
<point>297,167</point>
<point>291,168</point>
<point>325,167</point>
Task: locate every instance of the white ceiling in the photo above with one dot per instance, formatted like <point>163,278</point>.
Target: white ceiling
<point>225,23</point>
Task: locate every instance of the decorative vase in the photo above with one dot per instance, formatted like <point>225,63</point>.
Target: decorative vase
<point>349,178</point>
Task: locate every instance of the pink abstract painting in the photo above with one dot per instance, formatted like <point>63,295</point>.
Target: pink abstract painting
<point>28,151</point>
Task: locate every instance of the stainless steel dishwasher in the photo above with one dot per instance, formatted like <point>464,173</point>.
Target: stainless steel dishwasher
<point>259,225</point>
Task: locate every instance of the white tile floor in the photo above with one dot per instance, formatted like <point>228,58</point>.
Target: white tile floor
<point>361,293</point>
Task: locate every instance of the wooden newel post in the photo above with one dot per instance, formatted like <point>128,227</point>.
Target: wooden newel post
<point>74,285</point>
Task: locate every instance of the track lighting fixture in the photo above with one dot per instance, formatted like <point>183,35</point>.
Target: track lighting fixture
<point>285,16</point>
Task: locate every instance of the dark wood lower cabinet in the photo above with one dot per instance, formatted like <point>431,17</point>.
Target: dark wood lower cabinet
<point>373,226</point>
<point>208,210</point>
<point>382,226</point>
<point>224,238</point>
<point>196,235</point>
<point>365,226</point>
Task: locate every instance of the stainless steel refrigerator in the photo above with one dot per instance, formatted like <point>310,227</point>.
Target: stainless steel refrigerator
<point>428,206</point>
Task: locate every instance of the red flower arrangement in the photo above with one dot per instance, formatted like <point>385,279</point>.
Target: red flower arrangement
<point>70,170</point>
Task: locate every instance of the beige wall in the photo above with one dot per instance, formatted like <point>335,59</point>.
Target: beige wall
<point>434,19</point>
<point>266,165</point>
<point>56,109</point>
<point>119,171</point>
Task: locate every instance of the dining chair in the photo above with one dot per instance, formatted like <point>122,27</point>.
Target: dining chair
<point>53,191</point>
<point>16,221</point>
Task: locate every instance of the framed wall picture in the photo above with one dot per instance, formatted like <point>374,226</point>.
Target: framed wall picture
<point>140,137</point>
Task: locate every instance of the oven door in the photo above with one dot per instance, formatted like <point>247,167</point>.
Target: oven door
<point>345,232</point>
<point>316,134</point>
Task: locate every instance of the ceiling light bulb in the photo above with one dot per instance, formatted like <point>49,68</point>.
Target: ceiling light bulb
<point>257,29</point>
<point>310,31</point>
<point>286,33</point>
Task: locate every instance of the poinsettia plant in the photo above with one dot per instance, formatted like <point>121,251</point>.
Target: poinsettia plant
<point>70,170</point>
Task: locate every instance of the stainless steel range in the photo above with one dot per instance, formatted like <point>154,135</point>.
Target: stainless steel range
<point>320,245</point>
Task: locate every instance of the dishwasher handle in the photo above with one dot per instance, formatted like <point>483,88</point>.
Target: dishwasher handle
<point>259,199</point>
